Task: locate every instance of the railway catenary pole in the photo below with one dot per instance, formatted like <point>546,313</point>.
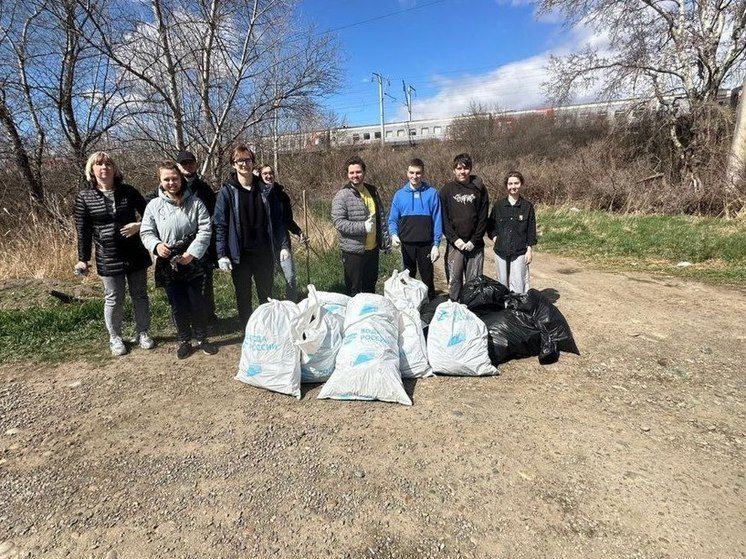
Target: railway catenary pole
<point>380,79</point>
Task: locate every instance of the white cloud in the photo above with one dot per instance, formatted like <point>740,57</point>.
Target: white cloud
<point>513,86</point>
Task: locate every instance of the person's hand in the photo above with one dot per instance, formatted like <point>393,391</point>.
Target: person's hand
<point>395,242</point>
<point>163,250</point>
<point>284,254</point>
<point>459,244</point>
<point>186,258</point>
<point>370,223</point>
<point>529,255</point>
<point>131,229</point>
<point>225,264</point>
<point>468,247</point>
<point>81,268</point>
<point>434,254</point>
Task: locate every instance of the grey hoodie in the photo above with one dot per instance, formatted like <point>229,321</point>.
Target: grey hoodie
<point>166,222</point>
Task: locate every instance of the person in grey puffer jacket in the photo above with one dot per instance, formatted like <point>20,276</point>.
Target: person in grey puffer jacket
<point>177,228</point>
<point>357,215</point>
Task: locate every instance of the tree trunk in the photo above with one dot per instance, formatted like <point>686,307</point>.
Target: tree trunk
<point>736,158</point>
<point>33,183</point>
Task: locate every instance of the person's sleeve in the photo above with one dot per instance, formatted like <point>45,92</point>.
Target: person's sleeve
<point>287,212</point>
<point>198,247</point>
<point>477,238</point>
<point>279,227</point>
<point>492,223</point>
<point>437,221</point>
<point>532,239</point>
<point>148,230</point>
<point>140,202</point>
<point>339,217</point>
<point>394,215</point>
<point>220,221</point>
<point>448,229</point>
<point>84,229</point>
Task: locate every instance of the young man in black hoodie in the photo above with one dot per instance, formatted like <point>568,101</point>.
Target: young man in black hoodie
<point>465,204</point>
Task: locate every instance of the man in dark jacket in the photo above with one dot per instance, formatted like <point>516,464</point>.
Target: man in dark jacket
<point>188,167</point>
<point>287,266</point>
<point>356,214</point>
<point>464,203</point>
<point>249,232</point>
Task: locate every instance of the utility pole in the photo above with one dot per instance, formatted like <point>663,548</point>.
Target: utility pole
<point>380,80</point>
<point>408,90</point>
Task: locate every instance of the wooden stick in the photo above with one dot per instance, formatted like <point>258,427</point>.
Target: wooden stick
<point>308,241</point>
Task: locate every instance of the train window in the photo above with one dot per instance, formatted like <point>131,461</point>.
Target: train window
<point>377,135</point>
<point>413,132</point>
<point>425,131</point>
<point>437,130</point>
<point>355,138</point>
<point>399,133</point>
<point>389,133</point>
<point>366,136</point>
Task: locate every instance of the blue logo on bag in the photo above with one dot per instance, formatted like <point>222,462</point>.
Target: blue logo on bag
<point>367,309</point>
<point>456,339</point>
<point>363,358</point>
<point>253,370</point>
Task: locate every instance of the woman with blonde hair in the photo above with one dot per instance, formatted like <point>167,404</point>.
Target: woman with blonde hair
<point>105,217</point>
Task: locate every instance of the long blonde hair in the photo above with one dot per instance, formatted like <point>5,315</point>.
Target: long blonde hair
<point>97,158</point>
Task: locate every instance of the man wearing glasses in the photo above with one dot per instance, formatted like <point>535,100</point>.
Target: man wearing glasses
<point>249,231</point>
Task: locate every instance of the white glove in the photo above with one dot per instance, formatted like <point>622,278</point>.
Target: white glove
<point>434,254</point>
<point>284,254</point>
<point>468,247</point>
<point>370,223</point>
<point>225,264</point>
<point>395,242</point>
<point>459,244</point>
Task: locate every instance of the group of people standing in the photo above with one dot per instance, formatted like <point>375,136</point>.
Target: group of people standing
<point>245,229</point>
<point>420,216</point>
<point>188,231</point>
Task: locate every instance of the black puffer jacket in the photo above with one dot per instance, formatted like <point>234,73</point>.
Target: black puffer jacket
<point>96,223</point>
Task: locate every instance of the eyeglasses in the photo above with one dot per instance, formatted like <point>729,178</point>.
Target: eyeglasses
<point>243,161</point>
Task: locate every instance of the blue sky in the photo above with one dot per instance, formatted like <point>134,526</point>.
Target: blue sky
<point>453,52</point>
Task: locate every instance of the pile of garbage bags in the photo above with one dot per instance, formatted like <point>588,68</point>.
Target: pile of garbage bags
<point>362,347</point>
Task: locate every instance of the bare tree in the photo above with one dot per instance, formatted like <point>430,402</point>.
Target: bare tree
<point>207,71</point>
<point>679,53</point>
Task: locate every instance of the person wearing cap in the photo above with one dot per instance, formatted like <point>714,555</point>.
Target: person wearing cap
<point>187,163</point>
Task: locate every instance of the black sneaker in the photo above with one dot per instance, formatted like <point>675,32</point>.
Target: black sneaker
<point>184,351</point>
<point>207,347</point>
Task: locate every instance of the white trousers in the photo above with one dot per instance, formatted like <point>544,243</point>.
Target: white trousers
<point>513,274</point>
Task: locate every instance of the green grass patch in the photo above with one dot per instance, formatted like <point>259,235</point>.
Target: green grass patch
<point>715,247</point>
<point>50,331</point>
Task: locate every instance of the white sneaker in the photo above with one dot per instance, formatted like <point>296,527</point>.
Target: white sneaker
<point>145,341</point>
<point>117,346</point>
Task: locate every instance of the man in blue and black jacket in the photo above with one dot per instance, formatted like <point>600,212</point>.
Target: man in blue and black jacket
<point>415,223</point>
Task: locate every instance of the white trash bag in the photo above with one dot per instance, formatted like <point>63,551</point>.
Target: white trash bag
<point>318,334</point>
<point>412,346</point>
<point>404,291</point>
<point>269,357</point>
<point>367,366</point>
<point>457,342</point>
<point>335,303</point>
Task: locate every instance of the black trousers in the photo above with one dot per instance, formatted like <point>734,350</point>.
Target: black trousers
<point>188,307</point>
<point>361,271</point>
<point>417,256</point>
<point>209,292</point>
<point>258,266</point>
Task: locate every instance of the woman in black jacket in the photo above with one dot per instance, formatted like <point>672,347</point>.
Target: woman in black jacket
<point>105,216</point>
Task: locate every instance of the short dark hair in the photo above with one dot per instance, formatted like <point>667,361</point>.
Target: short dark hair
<point>463,159</point>
<point>416,162</point>
<point>242,148</point>
<point>515,174</point>
<point>354,160</point>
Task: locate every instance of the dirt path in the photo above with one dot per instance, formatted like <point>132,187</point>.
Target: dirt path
<point>634,449</point>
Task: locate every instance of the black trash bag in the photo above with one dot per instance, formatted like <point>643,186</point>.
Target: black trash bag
<point>557,334</point>
<point>483,295</point>
<point>512,335</point>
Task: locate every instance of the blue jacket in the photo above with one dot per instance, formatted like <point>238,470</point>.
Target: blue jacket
<point>415,215</point>
<point>228,225</point>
